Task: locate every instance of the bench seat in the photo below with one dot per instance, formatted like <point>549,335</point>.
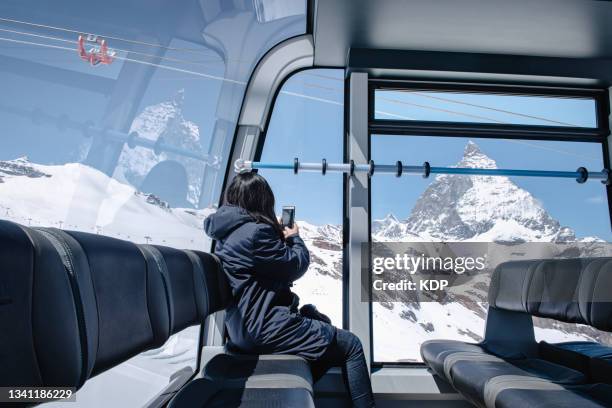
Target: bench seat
<point>286,379</point>
<point>509,368</point>
<point>76,304</point>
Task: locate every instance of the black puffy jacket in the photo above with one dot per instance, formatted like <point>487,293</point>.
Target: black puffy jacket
<point>261,267</point>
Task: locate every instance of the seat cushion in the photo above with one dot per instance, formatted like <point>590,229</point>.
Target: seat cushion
<point>208,393</point>
<point>593,359</point>
<point>504,392</point>
<point>263,371</point>
<point>470,376</point>
<point>262,398</point>
<point>434,352</point>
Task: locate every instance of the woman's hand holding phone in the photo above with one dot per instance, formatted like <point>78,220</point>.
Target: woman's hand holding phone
<point>289,232</point>
<point>287,220</point>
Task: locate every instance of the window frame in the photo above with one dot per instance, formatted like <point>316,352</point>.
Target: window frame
<point>407,128</point>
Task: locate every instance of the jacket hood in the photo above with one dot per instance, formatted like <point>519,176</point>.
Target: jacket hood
<point>225,220</point>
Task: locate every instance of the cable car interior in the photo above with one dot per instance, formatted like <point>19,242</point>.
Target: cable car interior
<point>463,127</point>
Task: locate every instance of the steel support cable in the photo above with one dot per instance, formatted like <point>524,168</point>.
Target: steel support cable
<point>474,105</point>
<point>167,67</point>
<point>208,76</point>
<point>468,115</point>
<point>193,50</point>
<point>322,76</point>
<point>48,37</point>
<point>242,83</point>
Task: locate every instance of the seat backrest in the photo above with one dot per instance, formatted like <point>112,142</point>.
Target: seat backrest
<point>218,290</point>
<point>131,298</point>
<point>48,316</point>
<point>74,304</point>
<point>196,282</point>
<point>568,290</point>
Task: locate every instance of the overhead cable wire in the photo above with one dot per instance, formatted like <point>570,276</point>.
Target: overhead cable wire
<point>318,75</point>
<point>167,67</point>
<point>492,109</point>
<point>582,156</point>
<point>421,94</point>
<point>396,101</point>
<point>113,48</point>
<point>332,102</point>
<point>9,20</point>
<point>208,76</point>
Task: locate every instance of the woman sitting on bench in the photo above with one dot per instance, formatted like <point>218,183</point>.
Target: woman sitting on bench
<point>261,261</point>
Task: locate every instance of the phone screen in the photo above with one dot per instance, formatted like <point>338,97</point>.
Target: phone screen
<point>288,217</point>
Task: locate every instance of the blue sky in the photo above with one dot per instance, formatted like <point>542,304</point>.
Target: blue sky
<point>311,128</point>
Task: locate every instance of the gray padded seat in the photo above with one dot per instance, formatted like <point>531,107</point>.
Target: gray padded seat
<point>593,359</point>
<point>207,393</point>
<point>130,297</point>
<point>434,352</point>
<point>231,379</point>
<point>471,376</point>
<point>260,371</point>
<point>48,317</point>
<point>510,393</point>
<point>504,374</point>
<point>193,280</point>
<point>76,304</point>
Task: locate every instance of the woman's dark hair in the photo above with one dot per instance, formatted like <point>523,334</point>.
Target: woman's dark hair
<point>252,192</point>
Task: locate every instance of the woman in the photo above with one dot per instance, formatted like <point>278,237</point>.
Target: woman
<point>262,260</point>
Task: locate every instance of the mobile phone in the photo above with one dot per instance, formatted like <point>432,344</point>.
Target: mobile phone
<point>288,217</point>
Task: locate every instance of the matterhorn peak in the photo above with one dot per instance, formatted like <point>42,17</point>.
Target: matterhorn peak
<point>459,208</point>
<point>474,157</point>
<point>471,148</point>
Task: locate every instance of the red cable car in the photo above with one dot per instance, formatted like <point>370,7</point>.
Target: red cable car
<point>98,52</point>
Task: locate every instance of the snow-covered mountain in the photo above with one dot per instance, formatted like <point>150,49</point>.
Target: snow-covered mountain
<point>476,208</point>
<point>163,123</point>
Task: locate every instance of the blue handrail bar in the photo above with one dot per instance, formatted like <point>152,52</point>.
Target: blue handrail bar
<point>581,174</point>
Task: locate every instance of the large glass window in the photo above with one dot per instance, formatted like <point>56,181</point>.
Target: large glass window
<point>131,143</point>
<point>307,122</point>
<point>452,208</point>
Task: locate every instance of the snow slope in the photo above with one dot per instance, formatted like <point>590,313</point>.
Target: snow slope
<point>77,197</point>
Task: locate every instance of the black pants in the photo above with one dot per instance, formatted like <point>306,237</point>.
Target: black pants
<point>346,352</point>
